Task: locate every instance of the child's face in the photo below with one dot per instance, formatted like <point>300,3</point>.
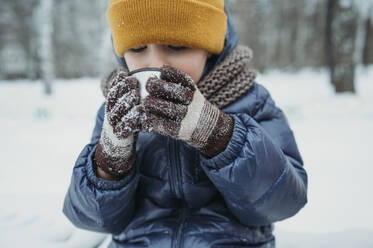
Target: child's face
<point>189,60</point>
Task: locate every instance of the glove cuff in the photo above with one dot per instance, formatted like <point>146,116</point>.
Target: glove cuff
<point>213,131</point>
<point>206,124</point>
<point>115,156</point>
<point>117,167</point>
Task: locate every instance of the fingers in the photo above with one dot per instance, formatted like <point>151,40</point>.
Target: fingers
<point>120,87</point>
<point>122,106</point>
<point>165,109</point>
<point>117,76</point>
<point>161,112</point>
<point>129,123</point>
<point>176,76</point>
<point>156,124</point>
<point>169,91</point>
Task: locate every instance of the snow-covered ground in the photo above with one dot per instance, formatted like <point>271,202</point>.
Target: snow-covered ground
<point>42,137</point>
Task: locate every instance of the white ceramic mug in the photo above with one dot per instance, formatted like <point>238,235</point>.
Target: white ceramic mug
<point>142,75</point>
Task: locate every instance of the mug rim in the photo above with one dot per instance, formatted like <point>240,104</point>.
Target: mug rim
<point>143,69</point>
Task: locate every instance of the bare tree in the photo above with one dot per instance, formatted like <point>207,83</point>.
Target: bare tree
<point>368,39</point>
<point>341,34</point>
<point>46,49</point>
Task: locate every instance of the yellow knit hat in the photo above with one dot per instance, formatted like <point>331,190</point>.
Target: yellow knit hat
<point>192,23</point>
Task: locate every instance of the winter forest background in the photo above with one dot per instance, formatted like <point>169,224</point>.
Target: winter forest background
<point>70,39</point>
<point>314,56</point>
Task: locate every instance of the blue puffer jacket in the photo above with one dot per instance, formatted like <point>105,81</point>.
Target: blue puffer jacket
<point>175,197</point>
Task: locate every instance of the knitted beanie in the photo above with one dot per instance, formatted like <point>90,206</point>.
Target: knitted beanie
<point>193,23</point>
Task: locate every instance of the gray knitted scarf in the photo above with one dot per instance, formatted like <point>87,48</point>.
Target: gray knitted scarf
<point>229,80</point>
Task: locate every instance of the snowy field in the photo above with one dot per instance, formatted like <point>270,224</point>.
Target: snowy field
<point>42,137</point>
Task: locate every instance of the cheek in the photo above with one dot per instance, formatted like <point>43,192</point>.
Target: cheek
<point>193,66</point>
<point>132,62</point>
<point>196,74</point>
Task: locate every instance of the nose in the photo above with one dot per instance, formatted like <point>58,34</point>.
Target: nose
<point>157,59</point>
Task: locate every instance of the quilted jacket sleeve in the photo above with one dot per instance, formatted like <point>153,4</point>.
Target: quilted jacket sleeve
<point>260,174</point>
<point>94,203</point>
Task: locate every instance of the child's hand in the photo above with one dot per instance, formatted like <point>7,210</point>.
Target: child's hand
<point>115,152</point>
<point>176,108</point>
<point>122,106</point>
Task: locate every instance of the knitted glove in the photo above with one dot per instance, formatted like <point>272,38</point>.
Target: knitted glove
<point>176,108</point>
<point>115,152</point>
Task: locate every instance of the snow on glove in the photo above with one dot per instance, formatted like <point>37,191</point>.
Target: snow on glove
<point>176,108</point>
<point>116,150</point>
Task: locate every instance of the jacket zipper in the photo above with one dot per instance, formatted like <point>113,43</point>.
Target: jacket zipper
<point>175,168</point>
<point>177,235</point>
<point>177,189</point>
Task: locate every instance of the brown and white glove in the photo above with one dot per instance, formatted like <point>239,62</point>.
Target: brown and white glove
<point>116,150</point>
<point>176,108</point>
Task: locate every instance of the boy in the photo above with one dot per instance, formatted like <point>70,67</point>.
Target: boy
<point>207,159</point>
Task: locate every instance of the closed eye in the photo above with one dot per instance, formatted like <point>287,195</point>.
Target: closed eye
<point>177,48</point>
<point>142,48</point>
<point>138,49</point>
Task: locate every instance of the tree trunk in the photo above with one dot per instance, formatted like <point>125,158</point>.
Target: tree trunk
<point>46,51</point>
<point>341,44</point>
<point>368,44</point>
